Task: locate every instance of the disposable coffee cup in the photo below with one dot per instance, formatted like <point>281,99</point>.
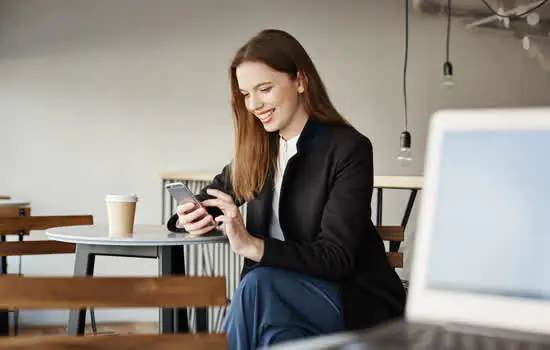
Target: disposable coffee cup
<point>121,211</point>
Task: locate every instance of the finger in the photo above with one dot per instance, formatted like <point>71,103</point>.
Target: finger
<point>195,226</point>
<point>202,230</point>
<point>186,207</point>
<point>223,205</point>
<point>185,219</point>
<point>223,218</point>
<point>219,194</point>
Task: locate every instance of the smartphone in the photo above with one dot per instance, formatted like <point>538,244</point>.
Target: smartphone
<point>182,194</point>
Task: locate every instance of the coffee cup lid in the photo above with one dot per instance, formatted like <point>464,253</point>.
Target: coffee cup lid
<point>121,198</point>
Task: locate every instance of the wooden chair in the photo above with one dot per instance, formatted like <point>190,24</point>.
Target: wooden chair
<point>22,225</point>
<point>10,225</point>
<point>393,234</point>
<point>87,292</point>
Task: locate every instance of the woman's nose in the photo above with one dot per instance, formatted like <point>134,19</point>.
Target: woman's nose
<point>254,103</point>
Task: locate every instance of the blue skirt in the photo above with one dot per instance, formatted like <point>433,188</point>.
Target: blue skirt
<point>274,305</point>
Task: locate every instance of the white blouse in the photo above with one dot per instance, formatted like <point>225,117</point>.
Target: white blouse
<point>287,149</point>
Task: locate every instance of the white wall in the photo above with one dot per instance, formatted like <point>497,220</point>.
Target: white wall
<point>103,96</point>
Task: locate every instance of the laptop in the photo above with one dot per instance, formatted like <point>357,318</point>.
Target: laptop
<point>480,275</point>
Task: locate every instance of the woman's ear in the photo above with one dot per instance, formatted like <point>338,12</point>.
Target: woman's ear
<point>301,79</point>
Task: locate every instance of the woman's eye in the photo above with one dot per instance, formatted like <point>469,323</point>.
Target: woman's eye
<point>245,95</point>
<point>266,89</point>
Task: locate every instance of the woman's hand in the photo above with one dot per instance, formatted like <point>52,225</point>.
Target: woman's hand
<point>194,218</point>
<point>241,242</point>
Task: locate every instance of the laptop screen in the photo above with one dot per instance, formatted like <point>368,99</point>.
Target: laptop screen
<point>492,217</point>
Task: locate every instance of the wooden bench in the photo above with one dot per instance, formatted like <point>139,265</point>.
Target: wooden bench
<point>88,292</point>
<point>13,224</point>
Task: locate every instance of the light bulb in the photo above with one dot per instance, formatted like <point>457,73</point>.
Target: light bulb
<point>533,19</point>
<point>448,78</point>
<point>405,157</point>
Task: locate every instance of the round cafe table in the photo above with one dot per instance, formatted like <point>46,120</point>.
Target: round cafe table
<point>147,241</point>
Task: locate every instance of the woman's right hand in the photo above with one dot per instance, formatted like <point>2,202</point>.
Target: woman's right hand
<point>190,218</point>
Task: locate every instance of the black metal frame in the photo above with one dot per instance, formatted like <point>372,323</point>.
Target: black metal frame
<point>394,245</point>
<point>171,262</point>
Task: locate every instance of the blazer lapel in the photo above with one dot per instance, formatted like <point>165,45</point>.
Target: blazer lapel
<point>261,208</point>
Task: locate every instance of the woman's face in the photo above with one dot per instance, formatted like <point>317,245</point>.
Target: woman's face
<point>273,97</point>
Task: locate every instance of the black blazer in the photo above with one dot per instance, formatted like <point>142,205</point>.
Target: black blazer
<point>325,215</point>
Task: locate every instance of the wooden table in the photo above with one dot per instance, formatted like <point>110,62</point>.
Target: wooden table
<point>147,241</point>
<point>9,208</point>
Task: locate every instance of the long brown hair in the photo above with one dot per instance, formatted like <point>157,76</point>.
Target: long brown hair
<point>254,153</point>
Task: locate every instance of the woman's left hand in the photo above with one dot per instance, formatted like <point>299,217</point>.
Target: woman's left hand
<point>241,242</point>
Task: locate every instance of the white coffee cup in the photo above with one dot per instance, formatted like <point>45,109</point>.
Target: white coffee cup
<point>121,211</point>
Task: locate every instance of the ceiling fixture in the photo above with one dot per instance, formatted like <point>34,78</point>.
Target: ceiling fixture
<point>448,74</point>
<point>519,11</point>
<point>505,16</point>
<point>405,156</point>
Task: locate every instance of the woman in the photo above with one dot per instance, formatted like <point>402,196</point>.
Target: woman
<point>314,263</point>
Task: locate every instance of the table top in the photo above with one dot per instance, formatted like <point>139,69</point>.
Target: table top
<point>196,176</point>
<point>13,203</point>
<point>399,182</point>
<point>144,235</point>
<point>380,181</point>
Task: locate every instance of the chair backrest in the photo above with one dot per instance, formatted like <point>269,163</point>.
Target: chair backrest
<point>36,248</point>
<point>11,211</point>
<point>14,224</point>
<point>90,292</point>
<point>11,223</point>
<point>393,234</point>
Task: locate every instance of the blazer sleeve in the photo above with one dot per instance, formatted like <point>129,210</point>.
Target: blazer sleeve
<point>221,182</point>
<point>345,222</point>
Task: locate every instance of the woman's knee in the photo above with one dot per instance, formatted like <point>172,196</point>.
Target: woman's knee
<point>259,276</point>
<point>249,286</point>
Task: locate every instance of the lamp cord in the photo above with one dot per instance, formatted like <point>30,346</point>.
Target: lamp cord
<point>448,28</point>
<point>405,64</point>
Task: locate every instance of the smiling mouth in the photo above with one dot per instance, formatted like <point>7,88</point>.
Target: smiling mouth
<point>266,117</point>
